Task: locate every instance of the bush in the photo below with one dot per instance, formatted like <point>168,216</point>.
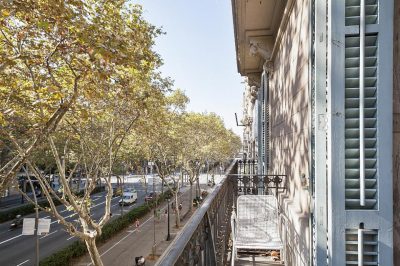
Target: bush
<point>78,248</point>
<point>64,256</point>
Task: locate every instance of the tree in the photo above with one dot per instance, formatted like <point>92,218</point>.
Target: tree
<point>205,138</point>
<point>55,55</point>
<point>160,136</point>
<point>74,78</point>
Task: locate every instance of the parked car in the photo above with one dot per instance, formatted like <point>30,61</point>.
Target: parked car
<point>150,196</point>
<point>128,198</point>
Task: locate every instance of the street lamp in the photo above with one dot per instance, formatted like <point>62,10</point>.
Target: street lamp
<point>168,235</point>
<point>151,164</point>
<point>207,171</point>
<point>122,194</point>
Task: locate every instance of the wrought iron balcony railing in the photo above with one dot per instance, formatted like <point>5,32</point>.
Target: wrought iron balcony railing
<point>206,237</point>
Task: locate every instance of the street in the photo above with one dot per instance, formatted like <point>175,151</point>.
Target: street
<point>18,249</point>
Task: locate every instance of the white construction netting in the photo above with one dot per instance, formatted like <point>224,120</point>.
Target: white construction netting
<point>257,223</point>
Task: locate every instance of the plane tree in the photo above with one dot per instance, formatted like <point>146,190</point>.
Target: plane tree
<point>57,55</point>
<point>205,138</point>
<point>162,142</point>
<point>74,79</point>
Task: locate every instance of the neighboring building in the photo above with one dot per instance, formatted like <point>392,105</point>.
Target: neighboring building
<point>309,114</point>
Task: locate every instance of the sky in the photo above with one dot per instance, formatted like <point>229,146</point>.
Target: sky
<point>198,51</point>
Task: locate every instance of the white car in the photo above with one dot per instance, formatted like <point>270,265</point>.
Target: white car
<point>128,198</point>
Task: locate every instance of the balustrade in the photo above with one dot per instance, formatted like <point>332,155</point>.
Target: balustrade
<point>206,237</point>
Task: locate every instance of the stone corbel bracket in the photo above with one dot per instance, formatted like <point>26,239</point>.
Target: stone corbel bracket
<point>269,67</point>
<point>261,46</point>
<point>256,50</point>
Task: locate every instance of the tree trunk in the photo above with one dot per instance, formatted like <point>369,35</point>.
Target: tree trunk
<point>191,196</point>
<point>177,213</point>
<point>93,251</point>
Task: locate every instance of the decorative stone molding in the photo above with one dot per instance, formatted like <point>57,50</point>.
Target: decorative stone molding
<point>269,67</point>
<point>253,79</point>
<point>256,50</point>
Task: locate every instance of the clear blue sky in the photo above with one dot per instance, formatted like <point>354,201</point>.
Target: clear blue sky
<point>198,50</point>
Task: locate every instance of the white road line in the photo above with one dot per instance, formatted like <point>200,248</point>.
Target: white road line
<point>70,238</point>
<point>5,241</point>
<point>72,215</point>
<point>131,232</point>
<point>23,262</point>
<point>49,234</point>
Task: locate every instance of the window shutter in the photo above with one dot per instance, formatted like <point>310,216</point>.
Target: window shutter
<point>360,91</point>
<point>369,242</point>
<point>353,12</point>
<point>352,123</point>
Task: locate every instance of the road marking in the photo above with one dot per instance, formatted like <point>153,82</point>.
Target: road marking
<point>49,234</point>
<point>5,241</point>
<point>131,232</point>
<point>70,238</point>
<point>72,215</point>
<point>23,262</point>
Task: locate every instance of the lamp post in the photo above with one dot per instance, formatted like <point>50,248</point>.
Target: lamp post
<point>168,235</point>
<point>36,216</point>
<point>207,171</point>
<point>122,194</point>
<point>151,164</point>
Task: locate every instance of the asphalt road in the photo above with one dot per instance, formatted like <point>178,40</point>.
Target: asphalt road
<point>17,249</point>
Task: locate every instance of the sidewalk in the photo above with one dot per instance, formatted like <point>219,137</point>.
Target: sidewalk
<point>131,243</point>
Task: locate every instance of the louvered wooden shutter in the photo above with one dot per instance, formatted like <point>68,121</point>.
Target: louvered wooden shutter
<point>353,12</point>
<point>360,83</point>
<point>369,250</point>
<point>352,124</point>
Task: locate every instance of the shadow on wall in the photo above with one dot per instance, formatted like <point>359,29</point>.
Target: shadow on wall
<point>290,130</point>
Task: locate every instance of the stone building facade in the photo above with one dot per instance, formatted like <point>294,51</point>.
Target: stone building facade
<point>323,117</point>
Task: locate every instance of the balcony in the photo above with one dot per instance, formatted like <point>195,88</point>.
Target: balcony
<point>208,238</point>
